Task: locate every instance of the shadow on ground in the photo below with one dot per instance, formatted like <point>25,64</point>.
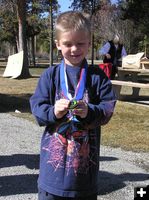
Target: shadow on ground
<point>19,184</point>
<point>9,103</point>
<point>109,182</point>
<point>27,183</point>
<point>31,161</point>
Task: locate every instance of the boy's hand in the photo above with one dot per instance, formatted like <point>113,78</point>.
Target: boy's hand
<point>81,110</point>
<point>61,108</point>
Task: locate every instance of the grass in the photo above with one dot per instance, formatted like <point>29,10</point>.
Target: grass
<point>127,129</point>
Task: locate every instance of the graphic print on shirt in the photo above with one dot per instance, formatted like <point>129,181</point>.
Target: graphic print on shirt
<point>70,149</point>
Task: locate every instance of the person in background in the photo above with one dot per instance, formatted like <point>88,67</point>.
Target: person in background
<point>112,52</point>
<point>72,101</point>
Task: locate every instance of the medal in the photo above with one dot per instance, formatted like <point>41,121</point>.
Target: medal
<point>73,104</point>
<point>73,124</point>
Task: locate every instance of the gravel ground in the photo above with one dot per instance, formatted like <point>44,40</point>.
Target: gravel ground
<point>120,171</point>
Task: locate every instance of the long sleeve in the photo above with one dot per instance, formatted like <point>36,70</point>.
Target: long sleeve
<point>42,101</point>
<point>105,49</point>
<point>104,99</point>
<point>124,53</point>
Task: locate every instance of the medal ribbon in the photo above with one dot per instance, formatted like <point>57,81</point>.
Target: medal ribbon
<point>79,91</point>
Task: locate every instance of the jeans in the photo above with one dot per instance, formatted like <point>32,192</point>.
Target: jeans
<point>42,195</point>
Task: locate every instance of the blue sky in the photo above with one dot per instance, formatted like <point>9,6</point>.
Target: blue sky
<point>66,3</point>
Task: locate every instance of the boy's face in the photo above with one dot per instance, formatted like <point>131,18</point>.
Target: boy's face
<point>74,46</point>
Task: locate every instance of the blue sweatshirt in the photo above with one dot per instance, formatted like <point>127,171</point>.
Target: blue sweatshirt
<point>69,163</point>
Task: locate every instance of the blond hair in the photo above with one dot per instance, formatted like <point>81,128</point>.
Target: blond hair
<point>72,21</point>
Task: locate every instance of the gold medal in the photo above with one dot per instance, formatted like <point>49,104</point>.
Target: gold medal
<point>73,104</point>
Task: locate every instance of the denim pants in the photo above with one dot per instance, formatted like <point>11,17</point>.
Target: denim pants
<point>42,195</point>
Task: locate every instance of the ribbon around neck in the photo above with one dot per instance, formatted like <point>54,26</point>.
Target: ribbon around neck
<point>79,91</point>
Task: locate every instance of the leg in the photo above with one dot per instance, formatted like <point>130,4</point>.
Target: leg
<point>114,71</point>
<point>117,90</point>
<point>135,92</point>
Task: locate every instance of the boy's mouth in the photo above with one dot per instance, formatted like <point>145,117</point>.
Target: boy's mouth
<point>75,56</point>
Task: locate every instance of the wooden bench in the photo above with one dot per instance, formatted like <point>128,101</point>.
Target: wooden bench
<point>117,84</point>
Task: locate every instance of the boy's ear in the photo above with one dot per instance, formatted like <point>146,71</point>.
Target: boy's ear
<point>57,45</point>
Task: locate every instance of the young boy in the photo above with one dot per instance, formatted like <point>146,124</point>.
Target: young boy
<point>71,100</point>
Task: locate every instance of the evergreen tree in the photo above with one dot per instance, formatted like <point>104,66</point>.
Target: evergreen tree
<point>21,20</point>
<point>138,12</point>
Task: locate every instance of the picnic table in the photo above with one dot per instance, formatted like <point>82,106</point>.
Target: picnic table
<point>122,80</point>
<point>122,72</point>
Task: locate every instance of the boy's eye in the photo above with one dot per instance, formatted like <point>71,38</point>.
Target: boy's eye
<point>70,45</point>
<point>80,43</point>
<point>67,44</point>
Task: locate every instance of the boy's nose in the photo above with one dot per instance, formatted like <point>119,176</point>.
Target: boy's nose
<point>74,48</point>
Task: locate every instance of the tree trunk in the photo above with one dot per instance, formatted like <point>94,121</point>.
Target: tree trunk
<point>51,34</point>
<point>92,35</point>
<point>33,50</point>
<point>21,8</point>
